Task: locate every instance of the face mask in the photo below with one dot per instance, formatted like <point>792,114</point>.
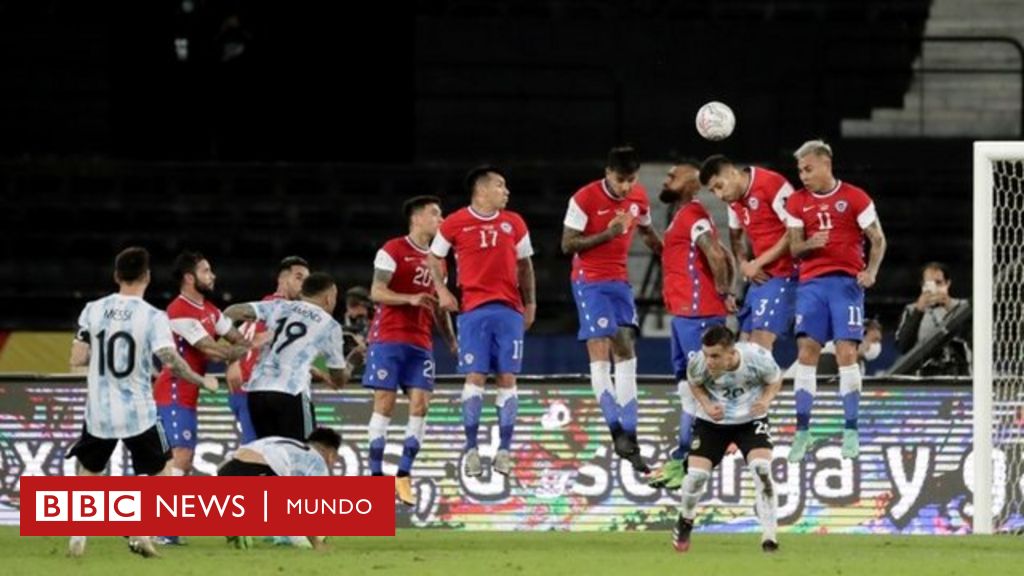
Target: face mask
<point>874,349</point>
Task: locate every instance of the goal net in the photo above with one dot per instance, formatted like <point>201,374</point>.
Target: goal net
<point>998,294</point>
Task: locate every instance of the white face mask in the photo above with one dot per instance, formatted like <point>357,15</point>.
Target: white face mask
<point>873,351</point>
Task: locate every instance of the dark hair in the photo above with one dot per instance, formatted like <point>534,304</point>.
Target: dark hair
<point>687,161</point>
<point>712,166</point>
<point>416,203</point>
<point>936,266</point>
<point>478,173</point>
<point>872,324</point>
<point>718,335</point>
<point>325,436</point>
<point>131,264</point>
<point>289,261</point>
<point>624,160</point>
<point>317,283</point>
<point>186,263</point>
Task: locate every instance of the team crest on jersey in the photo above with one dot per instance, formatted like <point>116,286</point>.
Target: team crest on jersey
<point>634,210</point>
<point>602,322</point>
<point>695,445</point>
<point>753,203</point>
<point>187,434</point>
<point>506,227</point>
<point>841,206</point>
<point>382,374</point>
<point>468,358</point>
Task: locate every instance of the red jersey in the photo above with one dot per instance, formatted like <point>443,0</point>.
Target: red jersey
<point>761,213</point>
<point>844,212</point>
<point>410,274</point>
<point>190,323</point>
<point>250,330</point>
<point>590,210</point>
<point>688,285</point>
<point>487,249</point>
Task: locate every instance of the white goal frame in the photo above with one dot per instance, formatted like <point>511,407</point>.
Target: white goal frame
<point>983,302</point>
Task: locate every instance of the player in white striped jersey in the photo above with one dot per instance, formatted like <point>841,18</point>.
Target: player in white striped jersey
<point>279,389</point>
<point>280,456</point>
<point>116,339</point>
<point>734,384</point>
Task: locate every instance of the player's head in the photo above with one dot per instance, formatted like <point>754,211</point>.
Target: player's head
<point>935,277</point>
<point>326,442</point>
<point>131,266</point>
<point>814,161</point>
<point>871,347</point>
<point>358,302</point>
<point>193,270</point>
<point>487,187</point>
<point>681,181</point>
<point>723,178</point>
<point>719,346</point>
<point>291,272</point>
<point>423,213</point>
<point>321,289</point>
<point>622,170</point>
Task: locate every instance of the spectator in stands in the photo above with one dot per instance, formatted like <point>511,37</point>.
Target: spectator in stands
<point>868,349</point>
<point>356,323</point>
<point>927,316</point>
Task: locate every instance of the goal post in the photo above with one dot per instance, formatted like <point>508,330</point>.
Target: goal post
<point>998,318</point>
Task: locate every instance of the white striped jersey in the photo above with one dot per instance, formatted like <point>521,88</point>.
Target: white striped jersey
<point>122,332</point>
<point>301,332</point>
<point>288,457</point>
<point>736,391</point>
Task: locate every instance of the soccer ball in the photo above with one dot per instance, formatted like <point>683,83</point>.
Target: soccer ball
<point>715,121</point>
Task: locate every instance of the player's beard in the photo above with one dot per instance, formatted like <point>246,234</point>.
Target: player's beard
<point>205,289</point>
<point>668,196</point>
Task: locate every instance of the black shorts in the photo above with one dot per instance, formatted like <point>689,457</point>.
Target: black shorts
<point>281,414</point>
<point>710,440</point>
<point>150,451</point>
<point>238,468</point>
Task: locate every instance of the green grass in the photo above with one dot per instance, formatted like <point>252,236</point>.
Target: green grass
<point>445,553</point>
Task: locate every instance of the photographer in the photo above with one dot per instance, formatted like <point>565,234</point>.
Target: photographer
<point>927,316</point>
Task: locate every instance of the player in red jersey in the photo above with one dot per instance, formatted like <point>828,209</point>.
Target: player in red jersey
<point>698,275</point>
<point>290,273</point>
<point>828,222</point>
<point>400,354</point>
<point>197,324</point>
<point>492,253</point>
<point>757,209</point>
<point>599,225</point>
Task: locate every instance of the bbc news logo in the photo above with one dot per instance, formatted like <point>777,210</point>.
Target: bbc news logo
<point>207,506</point>
<point>88,506</point>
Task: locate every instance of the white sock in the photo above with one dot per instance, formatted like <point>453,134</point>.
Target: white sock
<point>601,378</point>
<point>378,428</point>
<point>415,428</point>
<point>766,497</point>
<point>625,381</point>
<point>175,471</point>
<point>471,390</point>
<point>504,395</point>
<point>693,488</point>
<point>849,379</point>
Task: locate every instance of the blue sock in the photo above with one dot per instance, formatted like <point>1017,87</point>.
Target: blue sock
<point>805,384</point>
<point>411,446</point>
<point>378,431</point>
<point>851,408</point>
<point>804,401</point>
<point>601,384</point>
<point>849,387</point>
<point>472,406</point>
<point>507,405</point>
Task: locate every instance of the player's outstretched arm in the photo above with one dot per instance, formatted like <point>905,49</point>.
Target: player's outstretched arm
<point>527,289</point>
<point>220,350</point>
<point>878,245</point>
<point>177,365</point>
<point>244,312</point>
<point>651,238</point>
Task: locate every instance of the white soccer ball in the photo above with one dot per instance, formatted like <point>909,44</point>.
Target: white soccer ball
<point>715,121</point>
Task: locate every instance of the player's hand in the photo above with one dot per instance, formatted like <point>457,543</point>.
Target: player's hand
<point>754,272</point>
<point>211,383</point>
<point>447,301</point>
<point>866,278</point>
<point>529,315</point>
<point>759,408</point>
<point>233,376</point>
<point>817,240</point>
<point>730,304</point>
<point>621,222</point>
<point>453,347</point>
<point>317,375</point>
<point>424,300</point>
<point>715,411</point>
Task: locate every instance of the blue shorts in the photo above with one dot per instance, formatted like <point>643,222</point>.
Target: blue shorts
<point>830,308</point>
<point>770,307</point>
<point>491,340</point>
<point>686,334</point>
<point>603,307</point>
<point>179,425</point>
<point>239,405</point>
<point>390,366</point>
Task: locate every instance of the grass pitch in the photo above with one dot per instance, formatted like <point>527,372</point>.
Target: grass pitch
<point>447,553</point>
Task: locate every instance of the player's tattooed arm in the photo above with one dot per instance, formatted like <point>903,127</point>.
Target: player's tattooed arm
<point>241,313</point>
<point>381,294</point>
<point>219,350</point>
<point>574,241</point>
<point>527,289</point>
<point>878,245</point>
<point>719,260</point>
<point>177,365</point>
<point>651,238</point>
<point>79,356</point>
<point>235,337</point>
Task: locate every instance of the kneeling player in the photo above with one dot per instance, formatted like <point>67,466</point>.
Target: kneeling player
<point>280,456</point>
<point>734,385</point>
